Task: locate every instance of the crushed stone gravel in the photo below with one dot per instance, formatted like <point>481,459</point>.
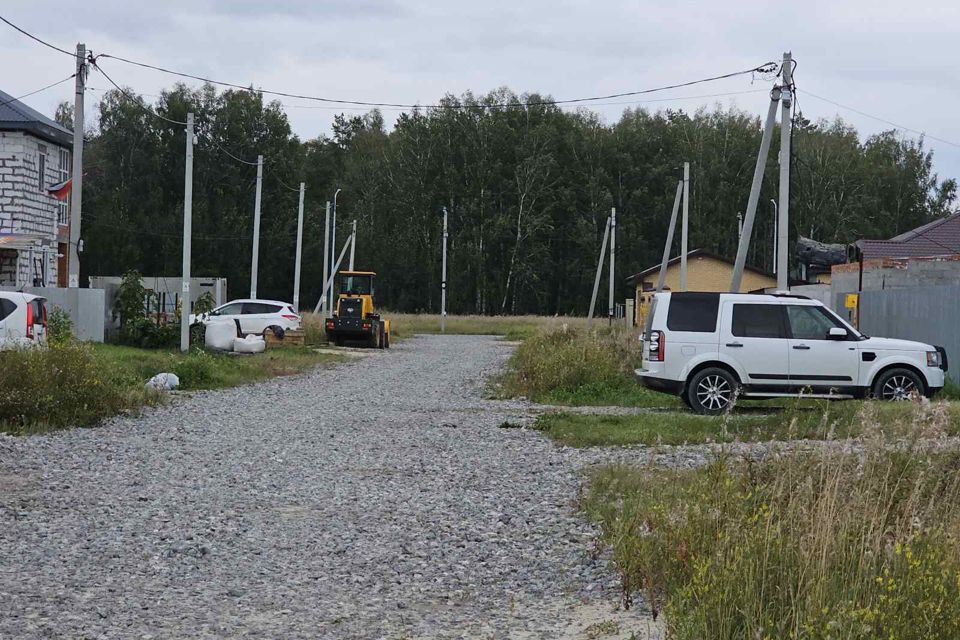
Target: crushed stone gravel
<point>379,498</point>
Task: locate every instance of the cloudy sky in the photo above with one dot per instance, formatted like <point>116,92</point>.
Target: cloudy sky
<point>891,60</point>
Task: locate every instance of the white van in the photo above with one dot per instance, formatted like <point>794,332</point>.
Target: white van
<point>23,320</point>
<point>711,348</point>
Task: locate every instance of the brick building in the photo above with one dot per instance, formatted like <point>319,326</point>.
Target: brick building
<point>34,224</point>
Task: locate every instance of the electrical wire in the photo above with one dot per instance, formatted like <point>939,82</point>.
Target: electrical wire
<point>284,184</point>
<point>764,68</point>
<point>132,98</point>
<point>883,120</point>
<point>49,86</point>
<point>43,42</point>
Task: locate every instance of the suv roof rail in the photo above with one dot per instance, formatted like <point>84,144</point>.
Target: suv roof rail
<point>787,295</point>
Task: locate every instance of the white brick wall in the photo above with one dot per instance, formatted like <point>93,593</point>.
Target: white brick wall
<point>25,205</point>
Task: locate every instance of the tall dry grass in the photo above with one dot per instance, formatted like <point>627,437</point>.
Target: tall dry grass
<point>830,543</point>
<point>406,325</point>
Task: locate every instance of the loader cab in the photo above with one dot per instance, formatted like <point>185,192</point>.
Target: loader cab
<point>356,283</point>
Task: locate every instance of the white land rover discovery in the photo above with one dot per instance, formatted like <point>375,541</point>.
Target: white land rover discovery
<point>711,348</point>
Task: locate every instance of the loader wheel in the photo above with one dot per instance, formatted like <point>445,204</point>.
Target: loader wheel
<point>386,341</point>
<point>382,338</point>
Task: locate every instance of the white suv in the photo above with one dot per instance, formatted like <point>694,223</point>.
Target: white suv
<point>711,348</point>
<point>255,316</point>
<point>23,320</point>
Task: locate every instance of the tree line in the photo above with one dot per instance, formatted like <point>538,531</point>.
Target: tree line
<point>528,188</point>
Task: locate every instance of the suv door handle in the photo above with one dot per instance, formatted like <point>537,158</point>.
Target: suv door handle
<point>734,344</point>
<point>801,347</point>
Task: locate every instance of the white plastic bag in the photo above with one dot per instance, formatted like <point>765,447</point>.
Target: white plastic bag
<point>220,335</point>
<point>250,344</point>
<point>165,381</point>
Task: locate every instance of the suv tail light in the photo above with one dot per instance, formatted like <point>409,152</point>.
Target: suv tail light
<point>30,320</point>
<point>658,345</point>
<point>289,316</point>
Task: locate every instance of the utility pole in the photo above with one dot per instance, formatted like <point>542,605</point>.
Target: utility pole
<point>684,230</point>
<point>666,247</point>
<point>296,267</point>
<point>755,192</point>
<point>596,280</point>
<point>353,245</point>
<point>255,263</point>
<point>329,283</point>
<point>187,232</point>
<point>613,261</point>
<point>333,241</point>
<point>326,259</point>
<point>76,187</point>
<point>443,278</point>
<point>775,241</point>
<point>783,226</point>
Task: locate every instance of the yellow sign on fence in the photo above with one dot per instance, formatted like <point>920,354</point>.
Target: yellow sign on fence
<point>852,300</point>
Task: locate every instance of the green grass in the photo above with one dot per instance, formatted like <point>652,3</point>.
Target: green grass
<point>786,420</point>
<point>816,545</point>
<point>569,366</point>
<point>205,370</point>
<point>81,384</point>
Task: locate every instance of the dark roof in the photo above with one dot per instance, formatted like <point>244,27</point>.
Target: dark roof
<point>938,238</point>
<point>694,254</point>
<point>16,116</point>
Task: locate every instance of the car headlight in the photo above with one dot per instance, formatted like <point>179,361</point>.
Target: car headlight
<point>933,359</point>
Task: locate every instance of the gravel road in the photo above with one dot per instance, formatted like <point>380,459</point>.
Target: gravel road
<point>373,499</point>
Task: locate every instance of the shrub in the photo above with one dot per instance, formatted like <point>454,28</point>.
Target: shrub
<point>60,386</point>
<point>204,304</point>
<point>572,366</point>
<point>196,371</point>
<point>59,327</point>
<point>827,544</point>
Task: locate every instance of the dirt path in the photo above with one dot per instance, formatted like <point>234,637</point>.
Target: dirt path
<point>374,499</point>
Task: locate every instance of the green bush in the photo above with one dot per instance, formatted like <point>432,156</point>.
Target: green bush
<point>572,366</point>
<point>819,545</point>
<point>59,327</point>
<point>197,370</point>
<point>61,386</point>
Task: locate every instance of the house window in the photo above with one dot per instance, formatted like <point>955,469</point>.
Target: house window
<point>63,173</point>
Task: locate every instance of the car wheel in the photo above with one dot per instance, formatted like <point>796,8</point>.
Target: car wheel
<point>712,391</point>
<point>897,384</point>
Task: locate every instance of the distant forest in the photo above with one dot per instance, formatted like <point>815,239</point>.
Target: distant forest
<point>528,189</point>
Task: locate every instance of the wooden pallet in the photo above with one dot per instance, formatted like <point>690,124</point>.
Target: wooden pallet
<point>290,339</point>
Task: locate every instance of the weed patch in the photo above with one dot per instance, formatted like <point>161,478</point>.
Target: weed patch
<point>802,545</point>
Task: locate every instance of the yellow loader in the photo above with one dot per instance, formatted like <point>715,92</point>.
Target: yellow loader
<point>354,317</point>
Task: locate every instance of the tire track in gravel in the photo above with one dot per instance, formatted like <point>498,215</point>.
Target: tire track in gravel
<point>371,499</point>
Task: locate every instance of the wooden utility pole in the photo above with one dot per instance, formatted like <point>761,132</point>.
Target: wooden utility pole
<point>76,186</point>
<point>187,232</point>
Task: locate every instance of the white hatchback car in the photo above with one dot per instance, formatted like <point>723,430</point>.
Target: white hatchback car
<point>711,348</point>
<point>255,316</point>
<point>23,320</point>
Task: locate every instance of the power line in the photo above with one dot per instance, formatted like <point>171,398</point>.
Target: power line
<point>49,86</point>
<point>43,42</point>
<point>883,120</point>
<point>767,67</point>
<point>133,99</point>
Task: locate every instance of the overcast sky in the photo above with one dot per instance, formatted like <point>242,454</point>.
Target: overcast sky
<point>893,60</point>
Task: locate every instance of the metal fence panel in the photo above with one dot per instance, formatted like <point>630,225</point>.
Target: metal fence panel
<point>927,314</point>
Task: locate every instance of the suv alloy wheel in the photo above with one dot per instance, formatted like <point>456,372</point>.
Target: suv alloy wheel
<point>712,391</point>
<point>897,384</point>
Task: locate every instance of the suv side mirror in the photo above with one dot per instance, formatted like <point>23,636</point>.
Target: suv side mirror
<point>837,333</point>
